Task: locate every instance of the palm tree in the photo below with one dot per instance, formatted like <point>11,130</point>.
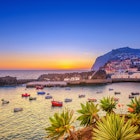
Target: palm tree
<point>108,104</point>
<point>61,124</point>
<point>113,127</point>
<point>89,113</point>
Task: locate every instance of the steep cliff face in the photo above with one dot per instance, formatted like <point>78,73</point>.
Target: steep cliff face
<point>116,54</point>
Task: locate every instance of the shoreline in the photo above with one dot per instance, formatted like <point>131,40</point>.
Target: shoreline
<point>13,81</point>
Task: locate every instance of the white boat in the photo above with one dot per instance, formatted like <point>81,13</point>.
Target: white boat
<point>4,101</point>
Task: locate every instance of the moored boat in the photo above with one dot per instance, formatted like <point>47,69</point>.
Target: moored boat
<point>25,95</point>
<point>68,100</point>
<point>110,89</point>
<point>131,96</point>
<point>117,92</point>
<point>4,101</point>
<point>92,100</point>
<point>41,93</point>
<point>81,96</point>
<point>48,97</point>
<point>135,93</point>
<point>99,92</point>
<point>57,103</point>
<point>18,109</point>
<point>32,98</point>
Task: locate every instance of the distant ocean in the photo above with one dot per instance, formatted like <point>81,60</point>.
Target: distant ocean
<point>33,74</point>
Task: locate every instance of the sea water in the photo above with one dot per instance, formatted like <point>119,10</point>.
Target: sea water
<point>30,123</point>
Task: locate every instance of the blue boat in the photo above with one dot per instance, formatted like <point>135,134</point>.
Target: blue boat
<point>48,97</point>
<point>40,92</point>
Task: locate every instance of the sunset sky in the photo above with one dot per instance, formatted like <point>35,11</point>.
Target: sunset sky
<point>69,34</point>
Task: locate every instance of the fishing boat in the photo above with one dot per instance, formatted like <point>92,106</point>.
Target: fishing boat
<point>68,100</point>
<point>41,93</point>
<point>110,89</point>
<point>25,95</point>
<point>92,100</point>
<point>48,97</point>
<point>32,98</point>
<point>117,92</point>
<point>135,93</point>
<point>4,101</point>
<point>81,96</point>
<point>57,103</point>
<point>18,109</point>
<point>99,92</point>
<point>131,96</point>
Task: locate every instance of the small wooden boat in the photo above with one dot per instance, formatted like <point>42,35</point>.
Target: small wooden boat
<point>48,97</point>
<point>135,93</point>
<point>25,95</point>
<point>32,98</point>
<point>18,109</point>
<point>117,92</point>
<point>81,96</point>
<point>39,87</point>
<point>4,101</point>
<point>131,96</point>
<point>41,93</point>
<point>57,103</point>
<point>68,100</point>
<point>92,100</point>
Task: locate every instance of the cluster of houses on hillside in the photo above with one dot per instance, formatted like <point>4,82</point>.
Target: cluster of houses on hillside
<point>123,68</point>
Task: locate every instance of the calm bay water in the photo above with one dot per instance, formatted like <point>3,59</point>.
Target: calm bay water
<point>30,123</point>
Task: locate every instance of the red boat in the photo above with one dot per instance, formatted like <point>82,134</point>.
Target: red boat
<point>57,103</point>
<point>39,87</point>
<point>25,95</point>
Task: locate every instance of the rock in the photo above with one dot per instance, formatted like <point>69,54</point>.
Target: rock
<point>8,80</point>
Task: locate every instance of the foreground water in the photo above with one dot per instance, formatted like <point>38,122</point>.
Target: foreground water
<point>30,124</point>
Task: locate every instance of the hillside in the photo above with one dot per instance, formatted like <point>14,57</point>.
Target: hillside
<point>116,54</point>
